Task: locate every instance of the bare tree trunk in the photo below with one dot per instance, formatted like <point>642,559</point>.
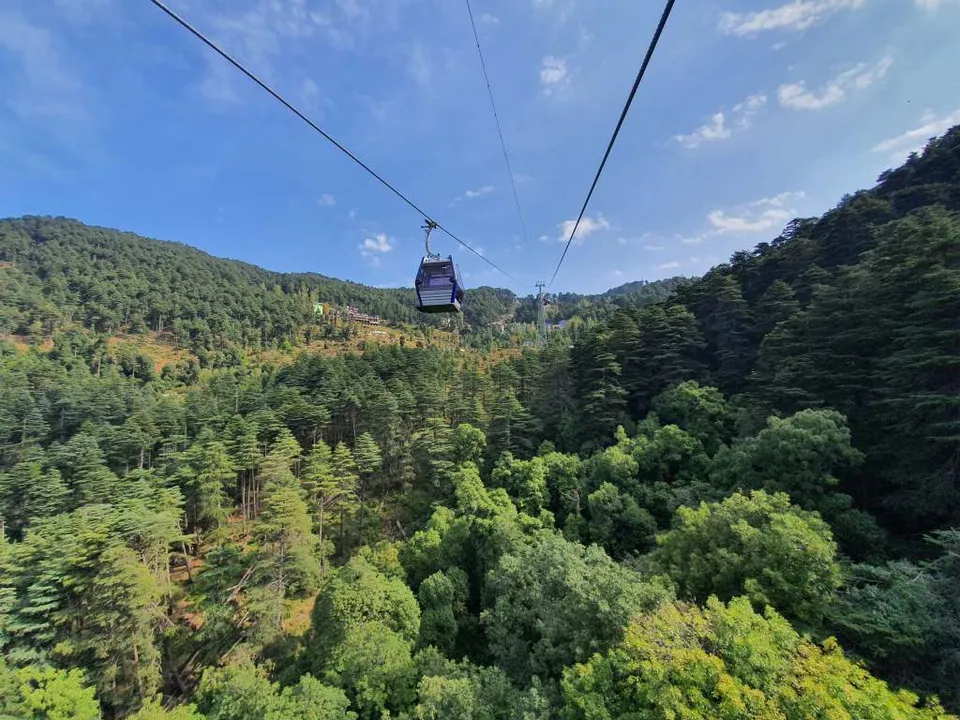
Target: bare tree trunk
<point>136,670</point>
<point>323,561</point>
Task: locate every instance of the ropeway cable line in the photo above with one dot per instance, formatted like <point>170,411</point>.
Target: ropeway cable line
<point>623,116</point>
<point>496,117</point>
<point>226,56</point>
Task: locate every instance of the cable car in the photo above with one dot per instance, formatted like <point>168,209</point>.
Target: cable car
<point>438,284</point>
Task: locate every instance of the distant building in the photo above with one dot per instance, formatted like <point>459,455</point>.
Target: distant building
<point>360,317</point>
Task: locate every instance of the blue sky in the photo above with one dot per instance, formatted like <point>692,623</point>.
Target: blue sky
<point>752,112</point>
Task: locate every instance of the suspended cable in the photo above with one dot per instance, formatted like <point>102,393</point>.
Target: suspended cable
<point>613,139</point>
<point>496,117</point>
<point>226,56</point>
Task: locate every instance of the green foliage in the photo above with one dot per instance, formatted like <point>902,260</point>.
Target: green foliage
<point>701,411</point>
<point>555,603</point>
<point>43,693</point>
<point>802,455</point>
<point>78,596</point>
<point>442,598</point>
<point>758,545</point>
<point>30,491</point>
<point>164,529</point>
<point>373,664</point>
<point>728,662</point>
<point>244,692</point>
<point>618,523</point>
<point>355,595</point>
<point>797,455</point>
<point>154,710</point>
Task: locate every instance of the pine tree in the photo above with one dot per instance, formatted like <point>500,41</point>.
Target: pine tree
<point>345,473</point>
<point>603,400</point>
<point>729,332</point>
<point>287,447</point>
<point>28,491</point>
<point>245,451</point>
<point>286,563</point>
<point>777,305</point>
<point>82,463</point>
<point>367,457</point>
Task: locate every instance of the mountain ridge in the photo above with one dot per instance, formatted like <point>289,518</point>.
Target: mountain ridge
<point>63,270</point>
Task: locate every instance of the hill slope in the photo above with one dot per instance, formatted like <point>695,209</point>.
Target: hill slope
<point>858,310</point>
<point>57,271</point>
<point>580,531</point>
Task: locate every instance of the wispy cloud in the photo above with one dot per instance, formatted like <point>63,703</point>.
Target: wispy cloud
<point>553,74</point>
<point>418,65</point>
<point>899,147</point>
<point>712,131</point>
<point>488,19</point>
<point>794,16</point>
<point>374,247</point>
<point>931,5</point>
<point>45,87</point>
<point>327,200</point>
<point>741,117</point>
<point>473,194</point>
<point>588,226</point>
<point>796,96</point>
<point>485,190</point>
<point>757,216</point>
<point>654,248</point>
<point>672,265</point>
<point>260,31</point>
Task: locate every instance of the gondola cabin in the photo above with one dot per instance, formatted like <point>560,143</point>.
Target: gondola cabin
<point>438,285</point>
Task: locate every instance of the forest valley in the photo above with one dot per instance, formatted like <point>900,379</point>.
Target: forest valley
<point>740,500</point>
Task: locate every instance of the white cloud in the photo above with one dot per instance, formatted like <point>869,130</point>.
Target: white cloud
<point>485,190</point>
<point>309,94</point>
<point>553,73</point>
<point>654,248</point>
<point>474,194</point>
<point>693,240</point>
<point>741,115</point>
<point>588,226</point>
<point>716,129</point>
<point>489,19</point>
<point>327,200</point>
<point>758,216</point>
<point>622,241</point>
<point>377,245</point>
<point>46,87</point>
<point>259,32</point>
<point>796,15</point>
<point>669,266</point>
<point>931,5</point>
<point>899,147</point>
<point>796,96</point>
<point>745,111</point>
<point>418,65</point>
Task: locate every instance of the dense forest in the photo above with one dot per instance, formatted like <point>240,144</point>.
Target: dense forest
<point>740,501</point>
<point>58,273</point>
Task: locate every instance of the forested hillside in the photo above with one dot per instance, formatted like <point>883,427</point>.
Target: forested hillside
<point>57,273</point>
<point>739,502</point>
